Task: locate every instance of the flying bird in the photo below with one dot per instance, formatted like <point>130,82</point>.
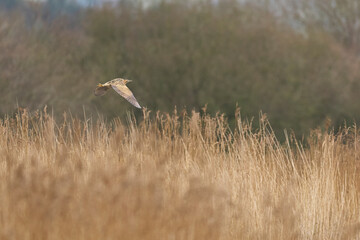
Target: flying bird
<point>119,85</point>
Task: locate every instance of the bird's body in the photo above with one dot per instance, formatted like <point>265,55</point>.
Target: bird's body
<point>119,85</point>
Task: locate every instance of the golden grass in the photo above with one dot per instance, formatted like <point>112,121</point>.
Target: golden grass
<point>176,176</point>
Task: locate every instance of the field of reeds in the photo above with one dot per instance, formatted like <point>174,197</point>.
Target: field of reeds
<point>174,176</point>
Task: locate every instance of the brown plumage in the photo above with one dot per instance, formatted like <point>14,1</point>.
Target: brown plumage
<point>119,85</point>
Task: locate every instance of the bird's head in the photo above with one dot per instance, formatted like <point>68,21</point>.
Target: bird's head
<point>125,81</point>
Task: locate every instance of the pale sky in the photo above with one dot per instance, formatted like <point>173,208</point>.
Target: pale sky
<point>82,2</point>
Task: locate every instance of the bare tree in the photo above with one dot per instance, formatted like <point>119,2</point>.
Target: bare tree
<point>9,4</point>
<point>341,18</point>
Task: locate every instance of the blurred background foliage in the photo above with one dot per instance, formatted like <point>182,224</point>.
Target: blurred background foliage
<point>296,61</point>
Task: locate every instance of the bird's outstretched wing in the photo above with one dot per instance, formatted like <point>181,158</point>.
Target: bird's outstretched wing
<point>100,91</point>
<point>125,92</point>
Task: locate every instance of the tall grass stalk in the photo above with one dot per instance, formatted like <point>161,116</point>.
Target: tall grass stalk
<point>174,176</point>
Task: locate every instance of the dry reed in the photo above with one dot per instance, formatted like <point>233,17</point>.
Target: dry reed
<point>174,176</point>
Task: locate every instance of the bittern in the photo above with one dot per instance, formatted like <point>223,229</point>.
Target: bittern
<point>119,85</point>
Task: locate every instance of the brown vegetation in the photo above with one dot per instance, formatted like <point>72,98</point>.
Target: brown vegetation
<point>178,54</point>
<point>201,175</point>
<point>178,176</point>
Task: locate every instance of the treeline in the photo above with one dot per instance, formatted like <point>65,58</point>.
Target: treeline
<point>178,54</point>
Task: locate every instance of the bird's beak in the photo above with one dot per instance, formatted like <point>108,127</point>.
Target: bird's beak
<point>127,80</point>
<point>99,85</point>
